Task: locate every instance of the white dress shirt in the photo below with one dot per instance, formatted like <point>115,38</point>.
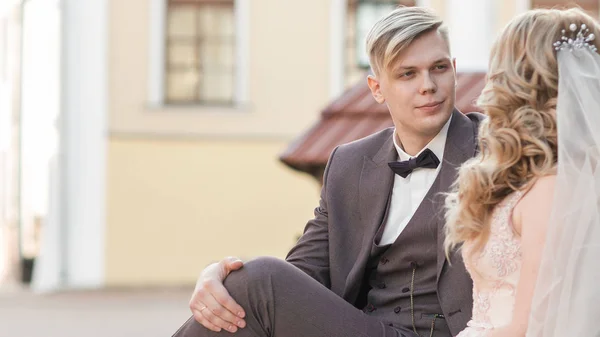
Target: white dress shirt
<point>408,193</point>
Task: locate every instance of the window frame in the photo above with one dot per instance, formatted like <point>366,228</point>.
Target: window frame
<point>156,91</point>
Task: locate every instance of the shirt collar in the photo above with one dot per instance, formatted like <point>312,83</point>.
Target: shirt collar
<point>436,145</point>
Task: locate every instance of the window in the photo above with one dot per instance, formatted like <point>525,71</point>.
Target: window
<point>361,15</point>
<point>200,52</point>
<point>591,6</point>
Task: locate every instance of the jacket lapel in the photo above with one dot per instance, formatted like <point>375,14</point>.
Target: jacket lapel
<point>461,145</point>
<point>376,182</point>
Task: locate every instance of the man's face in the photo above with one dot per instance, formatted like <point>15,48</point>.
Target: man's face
<point>419,89</point>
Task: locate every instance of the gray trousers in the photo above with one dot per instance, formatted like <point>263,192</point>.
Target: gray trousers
<point>282,301</point>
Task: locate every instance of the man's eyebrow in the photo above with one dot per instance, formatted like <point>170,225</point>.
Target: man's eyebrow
<point>408,67</point>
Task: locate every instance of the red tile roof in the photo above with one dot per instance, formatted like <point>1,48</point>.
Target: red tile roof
<point>354,115</point>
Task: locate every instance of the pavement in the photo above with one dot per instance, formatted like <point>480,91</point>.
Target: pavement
<point>106,313</point>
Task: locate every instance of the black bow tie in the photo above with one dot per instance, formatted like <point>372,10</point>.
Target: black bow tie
<point>427,159</point>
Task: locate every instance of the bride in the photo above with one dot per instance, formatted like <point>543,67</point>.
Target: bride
<point>525,211</point>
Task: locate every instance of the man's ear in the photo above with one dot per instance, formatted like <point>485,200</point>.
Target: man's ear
<point>455,73</point>
<point>375,89</point>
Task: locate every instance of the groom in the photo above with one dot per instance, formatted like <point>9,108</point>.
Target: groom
<point>371,262</point>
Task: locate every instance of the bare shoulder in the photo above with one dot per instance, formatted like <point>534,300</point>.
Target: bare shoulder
<point>535,206</point>
<point>542,188</point>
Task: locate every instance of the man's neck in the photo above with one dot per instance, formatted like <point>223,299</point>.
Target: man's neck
<point>413,145</point>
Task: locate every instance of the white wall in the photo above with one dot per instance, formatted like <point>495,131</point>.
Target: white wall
<point>472,25</point>
<point>73,248</point>
<point>39,110</point>
<point>5,108</point>
<point>85,102</point>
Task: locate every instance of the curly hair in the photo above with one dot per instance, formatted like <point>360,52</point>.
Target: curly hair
<point>518,140</point>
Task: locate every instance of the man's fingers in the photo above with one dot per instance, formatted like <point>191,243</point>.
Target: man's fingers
<point>198,299</point>
<point>204,322</point>
<point>235,312</point>
<point>215,314</point>
<point>211,303</point>
<point>233,263</point>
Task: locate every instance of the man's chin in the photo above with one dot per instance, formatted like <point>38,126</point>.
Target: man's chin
<point>440,116</point>
<point>434,123</point>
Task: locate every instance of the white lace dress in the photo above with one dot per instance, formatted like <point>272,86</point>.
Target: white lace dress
<point>495,272</point>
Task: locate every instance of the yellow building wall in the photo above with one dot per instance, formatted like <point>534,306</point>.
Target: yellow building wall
<point>175,206</point>
<point>288,74</point>
<point>190,185</point>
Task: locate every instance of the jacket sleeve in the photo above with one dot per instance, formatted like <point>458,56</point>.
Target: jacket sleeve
<point>311,252</point>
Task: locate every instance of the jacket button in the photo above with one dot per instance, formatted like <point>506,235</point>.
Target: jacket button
<point>397,309</point>
<point>381,285</point>
<point>405,290</point>
<point>384,260</point>
<point>371,308</point>
<point>413,264</point>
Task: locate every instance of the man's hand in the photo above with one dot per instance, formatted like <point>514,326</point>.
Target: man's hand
<point>211,304</point>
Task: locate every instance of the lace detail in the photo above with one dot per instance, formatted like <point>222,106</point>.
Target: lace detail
<point>504,247</point>
<point>481,305</point>
<point>495,271</point>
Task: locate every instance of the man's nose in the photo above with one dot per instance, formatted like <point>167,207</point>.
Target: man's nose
<point>428,86</point>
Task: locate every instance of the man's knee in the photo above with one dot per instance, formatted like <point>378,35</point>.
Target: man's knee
<point>259,269</point>
<point>267,266</point>
<point>256,285</point>
<point>258,272</point>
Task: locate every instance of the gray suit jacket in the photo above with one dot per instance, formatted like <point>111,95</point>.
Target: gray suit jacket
<point>335,246</point>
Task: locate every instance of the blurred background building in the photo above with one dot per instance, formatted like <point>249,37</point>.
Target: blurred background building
<point>141,140</point>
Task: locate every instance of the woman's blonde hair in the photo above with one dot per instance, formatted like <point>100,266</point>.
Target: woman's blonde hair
<point>396,31</point>
<point>518,142</point>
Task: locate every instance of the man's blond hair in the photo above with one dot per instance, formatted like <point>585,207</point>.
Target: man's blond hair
<point>396,31</point>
